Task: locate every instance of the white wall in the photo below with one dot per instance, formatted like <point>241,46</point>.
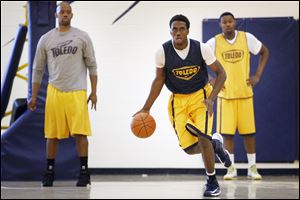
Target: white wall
<point>12,14</point>
<point>125,54</point>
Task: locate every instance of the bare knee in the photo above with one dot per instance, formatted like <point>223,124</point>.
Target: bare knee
<point>52,140</point>
<point>81,139</point>
<point>52,146</point>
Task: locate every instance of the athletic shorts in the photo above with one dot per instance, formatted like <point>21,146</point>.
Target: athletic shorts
<point>235,114</point>
<point>66,113</point>
<point>189,109</point>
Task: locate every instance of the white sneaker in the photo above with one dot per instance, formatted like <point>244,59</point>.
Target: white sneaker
<point>231,173</point>
<point>253,173</point>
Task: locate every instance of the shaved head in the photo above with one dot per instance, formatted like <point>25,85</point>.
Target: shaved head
<point>64,14</point>
<point>63,5</point>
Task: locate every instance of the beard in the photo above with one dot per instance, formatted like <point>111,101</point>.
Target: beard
<point>64,22</point>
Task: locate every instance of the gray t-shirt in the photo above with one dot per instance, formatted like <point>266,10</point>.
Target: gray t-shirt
<point>68,55</point>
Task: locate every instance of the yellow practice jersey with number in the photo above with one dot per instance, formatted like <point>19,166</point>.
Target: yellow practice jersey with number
<point>235,58</point>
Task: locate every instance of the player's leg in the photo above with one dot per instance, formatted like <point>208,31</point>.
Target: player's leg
<point>231,173</point>
<point>221,153</point>
<point>246,127</point>
<point>205,147</point>
<point>82,145</point>
<point>217,140</point>
<point>82,149</point>
<point>226,125</point>
<point>249,143</point>
<point>79,123</point>
<point>52,146</point>
<point>55,128</point>
<point>200,124</point>
<point>229,143</point>
<point>208,155</point>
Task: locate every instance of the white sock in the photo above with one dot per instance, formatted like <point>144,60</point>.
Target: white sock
<point>231,156</point>
<point>251,159</point>
<point>211,174</point>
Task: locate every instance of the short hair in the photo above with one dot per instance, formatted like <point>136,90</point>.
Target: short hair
<point>181,18</point>
<point>63,2</point>
<point>225,14</point>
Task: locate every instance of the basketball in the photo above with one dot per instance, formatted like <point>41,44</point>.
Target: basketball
<point>143,125</point>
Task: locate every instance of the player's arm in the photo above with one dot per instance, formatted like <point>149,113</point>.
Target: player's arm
<point>90,62</point>
<point>37,73</point>
<point>156,87</point>
<point>211,80</point>
<point>263,59</point>
<point>219,82</point>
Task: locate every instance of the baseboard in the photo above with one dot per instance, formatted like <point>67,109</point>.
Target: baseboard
<point>162,171</point>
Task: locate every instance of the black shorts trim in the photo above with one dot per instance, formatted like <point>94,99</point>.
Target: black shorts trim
<point>195,132</point>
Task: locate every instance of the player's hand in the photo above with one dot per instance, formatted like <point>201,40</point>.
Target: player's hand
<point>141,111</point>
<point>93,99</point>
<point>209,106</point>
<point>253,80</point>
<point>32,103</point>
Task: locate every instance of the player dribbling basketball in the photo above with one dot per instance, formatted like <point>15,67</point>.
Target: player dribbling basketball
<point>181,65</point>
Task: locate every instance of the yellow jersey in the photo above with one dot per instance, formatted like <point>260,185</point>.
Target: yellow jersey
<point>235,58</point>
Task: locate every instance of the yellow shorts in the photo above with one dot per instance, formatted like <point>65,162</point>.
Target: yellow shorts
<point>66,113</point>
<point>189,109</point>
<point>235,114</point>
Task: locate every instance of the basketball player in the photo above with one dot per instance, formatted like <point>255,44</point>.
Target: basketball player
<point>181,66</point>
<point>235,101</point>
<point>68,52</point>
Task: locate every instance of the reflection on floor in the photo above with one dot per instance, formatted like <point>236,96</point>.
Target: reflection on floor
<point>155,186</point>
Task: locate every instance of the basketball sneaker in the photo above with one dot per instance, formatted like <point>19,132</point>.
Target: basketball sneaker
<point>84,179</point>
<point>221,153</point>
<point>48,179</point>
<point>231,173</point>
<point>212,188</point>
<point>253,173</point>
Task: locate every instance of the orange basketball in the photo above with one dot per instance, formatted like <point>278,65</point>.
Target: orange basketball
<point>143,125</point>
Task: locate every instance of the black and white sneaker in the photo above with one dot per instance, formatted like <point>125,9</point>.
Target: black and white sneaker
<point>212,188</point>
<point>221,153</point>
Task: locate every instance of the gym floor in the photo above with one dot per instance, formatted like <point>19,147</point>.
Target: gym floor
<point>155,187</point>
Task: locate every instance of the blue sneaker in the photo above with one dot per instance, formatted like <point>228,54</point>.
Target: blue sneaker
<point>221,153</point>
<point>212,188</point>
